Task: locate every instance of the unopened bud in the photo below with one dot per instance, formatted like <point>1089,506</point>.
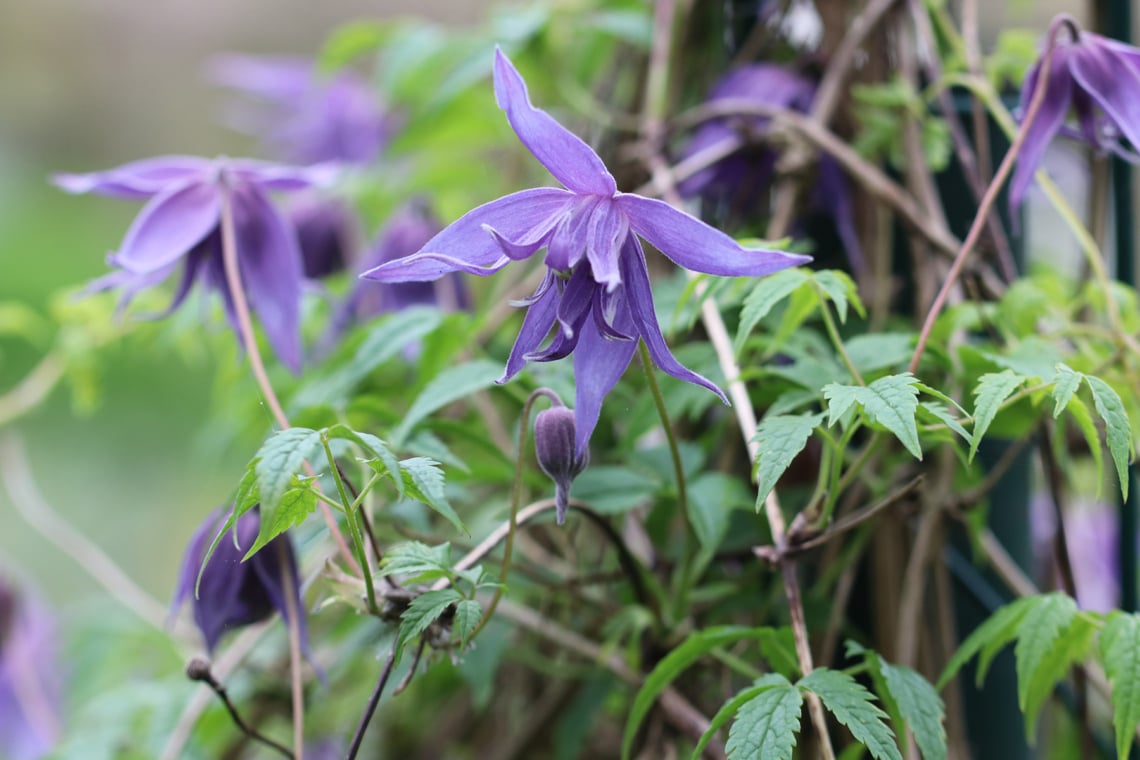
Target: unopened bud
<point>554,445</point>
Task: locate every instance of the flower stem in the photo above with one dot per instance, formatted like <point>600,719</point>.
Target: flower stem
<point>351,511</point>
<point>833,333</point>
<point>373,701</point>
<point>682,579</point>
<point>245,327</point>
<point>988,201</point>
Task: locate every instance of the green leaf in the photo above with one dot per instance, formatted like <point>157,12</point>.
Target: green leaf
<point>278,460</point>
<point>840,288</point>
<point>892,402</point>
<point>376,449</point>
<point>998,630</point>
<point>920,706</point>
<point>612,489</point>
<point>1120,653</point>
<point>992,390</point>
<point>854,707</point>
<point>781,437</point>
<point>423,481</point>
<point>729,709</point>
<point>766,726</point>
<point>450,385</point>
<point>350,41</point>
<point>468,613</point>
<point>840,399</point>
<point>424,610</point>
<point>1065,384</point>
<point>1080,413</point>
<point>872,352</point>
<point>942,413</point>
<point>672,665</point>
<point>419,562</point>
<point>768,292</point>
<point>291,511</point>
<point>712,497</point>
<point>1071,645</point>
<point>1044,623</point>
<point>1116,427</point>
<point>778,646</point>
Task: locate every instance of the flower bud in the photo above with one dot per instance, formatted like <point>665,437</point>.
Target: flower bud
<point>554,445</point>
<point>324,229</point>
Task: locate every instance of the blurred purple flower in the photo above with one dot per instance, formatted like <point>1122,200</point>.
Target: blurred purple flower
<point>1097,78</point>
<point>597,286</point>
<point>324,233</point>
<point>181,224</point>
<point>29,681</point>
<point>308,116</point>
<point>738,181</point>
<point>1092,535</point>
<point>233,593</point>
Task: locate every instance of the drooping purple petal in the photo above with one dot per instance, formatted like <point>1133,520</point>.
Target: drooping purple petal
<point>1112,83</point>
<point>598,365</point>
<point>564,154</point>
<point>271,271</point>
<point>567,242</point>
<point>535,327</point>
<point>640,296</point>
<point>694,245</point>
<point>577,295</point>
<point>169,225</point>
<point>1050,117</point>
<point>465,246</point>
<point>271,176</point>
<point>137,180</point>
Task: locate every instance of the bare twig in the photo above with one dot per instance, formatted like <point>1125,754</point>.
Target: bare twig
<point>370,708</point>
<point>199,670</point>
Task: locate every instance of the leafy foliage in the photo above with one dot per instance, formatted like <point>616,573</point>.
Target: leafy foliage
<point>767,723</point>
<point>781,438</point>
<point>853,706</point>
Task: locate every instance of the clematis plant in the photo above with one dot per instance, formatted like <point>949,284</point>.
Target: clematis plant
<point>181,225</point>
<point>596,292</point>
<point>1095,77</point>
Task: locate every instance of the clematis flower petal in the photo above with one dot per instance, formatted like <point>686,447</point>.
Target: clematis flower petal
<point>1050,118</point>
<point>636,278</point>
<point>272,176</point>
<point>137,180</point>
<point>598,365</point>
<point>169,225</point>
<point>1112,84</point>
<point>608,229</point>
<point>535,327</point>
<point>465,246</point>
<point>563,153</point>
<point>271,271</point>
<point>694,245</point>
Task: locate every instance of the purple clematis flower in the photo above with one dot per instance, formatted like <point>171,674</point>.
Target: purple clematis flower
<point>181,224</point>
<point>1099,80</point>
<point>308,117</point>
<point>324,233</point>
<point>597,289</point>
<point>736,182</point>
<point>29,682</point>
<point>233,593</point>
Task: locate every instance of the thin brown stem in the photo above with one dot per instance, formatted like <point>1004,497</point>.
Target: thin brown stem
<point>199,670</point>
<point>370,708</point>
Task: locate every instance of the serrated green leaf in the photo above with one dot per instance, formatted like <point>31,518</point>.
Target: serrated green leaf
<point>418,561</point>
<point>450,385</point>
<point>854,707</point>
<point>377,451</point>
<point>291,511</point>
<point>729,709</point>
<point>1120,654</point>
<point>892,402</point>
<point>920,706</point>
<point>672,665</point>
<point>1117,430</point>
<point>279,460</point>
<point>1072,645</point>
<point>424,610</point>
<point>840,399</point>
<point>712,497</point>
<point>768,292</point>
<point>468,613</point>
<point>781,438</point>
<point>872,352</point>
<point>802,304</point>
<point>423,481</point>
<point>841,289</point>
<point>1081,414</point>
<point>942,414</point>
<point>1042,625</point>
<point>993,388</point>
<point>766,726</point>
<point>997,631</point>
<point>1065,384</point>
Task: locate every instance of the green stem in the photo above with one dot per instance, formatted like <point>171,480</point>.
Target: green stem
<point>682,579</point>
<point>833,333</point>
<point>350,514</point>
